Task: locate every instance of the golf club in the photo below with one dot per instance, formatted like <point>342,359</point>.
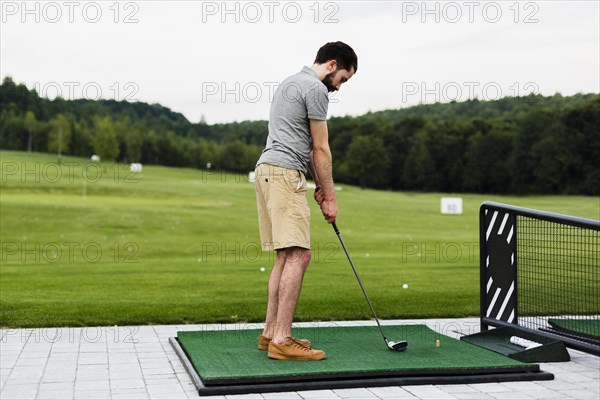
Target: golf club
<point>396,346</point>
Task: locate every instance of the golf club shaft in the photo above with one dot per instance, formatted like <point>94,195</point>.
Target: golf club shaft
<point>337,232</point>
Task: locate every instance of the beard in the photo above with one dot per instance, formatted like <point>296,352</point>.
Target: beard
<point>328,81</point>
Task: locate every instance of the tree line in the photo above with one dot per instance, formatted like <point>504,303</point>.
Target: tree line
<point>514,145</point>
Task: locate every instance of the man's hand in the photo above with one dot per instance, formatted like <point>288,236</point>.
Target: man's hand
<point>329,210</point>
<point>319,196</point>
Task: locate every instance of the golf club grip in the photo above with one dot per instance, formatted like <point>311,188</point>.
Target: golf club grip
<point>335,228</point>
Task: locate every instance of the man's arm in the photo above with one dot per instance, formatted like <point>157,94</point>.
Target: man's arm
<point>318,195</point>
<point>311,168</point>
<point>322,168</point>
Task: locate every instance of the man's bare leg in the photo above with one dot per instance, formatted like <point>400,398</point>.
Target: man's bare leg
<point>290,284</point>
<point>273,294</point>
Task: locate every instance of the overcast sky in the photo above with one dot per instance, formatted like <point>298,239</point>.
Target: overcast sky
<point>222,61</point>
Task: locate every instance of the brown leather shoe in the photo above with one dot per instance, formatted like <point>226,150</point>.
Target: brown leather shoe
<point>263,342</point>
<point>294,350</point>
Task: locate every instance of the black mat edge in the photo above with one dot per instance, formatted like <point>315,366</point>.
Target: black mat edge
<point>264,387</point>
<point>526,367</point>
<point>564,333</point>
<point>586,337</point>
<point>187,364</point>
<point>364,375</point>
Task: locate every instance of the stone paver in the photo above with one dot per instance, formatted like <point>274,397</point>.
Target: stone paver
<point>138,363</point>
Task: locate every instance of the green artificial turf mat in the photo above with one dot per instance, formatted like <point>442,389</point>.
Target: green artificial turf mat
<point>232,357</point>
<point>586,327</point>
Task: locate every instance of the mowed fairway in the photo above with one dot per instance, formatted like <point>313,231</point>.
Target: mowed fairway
<point>172,246</point>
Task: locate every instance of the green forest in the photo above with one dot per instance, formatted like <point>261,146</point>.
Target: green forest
<point>515,145</point>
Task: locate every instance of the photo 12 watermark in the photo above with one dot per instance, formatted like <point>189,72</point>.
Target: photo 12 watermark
<point>443,92</point>
<point>100,334</point>
<point>255,92</point>
<point>69,172</point>
<point>439,252</point>
<point>238,92</point>
<point>216,174</point>
<point>237,332</point>
<point>53,12</point>
<point>253,12</point>
<point>452,12</point>
<point>251,253</point>
<point>118,91</point>
<point>34,252</point>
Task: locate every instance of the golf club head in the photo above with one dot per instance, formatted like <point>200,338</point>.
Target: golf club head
<point>397,346</point>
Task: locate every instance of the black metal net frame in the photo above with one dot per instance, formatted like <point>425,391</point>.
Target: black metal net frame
<point>540,272</point>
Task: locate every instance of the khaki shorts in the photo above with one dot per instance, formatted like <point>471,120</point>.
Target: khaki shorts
<point>283,212</point>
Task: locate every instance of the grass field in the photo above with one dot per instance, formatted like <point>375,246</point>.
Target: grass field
<point>88,244</point>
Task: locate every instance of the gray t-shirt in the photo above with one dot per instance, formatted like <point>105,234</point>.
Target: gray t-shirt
<point>298,99</point>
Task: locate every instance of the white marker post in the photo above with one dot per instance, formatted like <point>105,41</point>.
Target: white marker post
<point>452,205</point>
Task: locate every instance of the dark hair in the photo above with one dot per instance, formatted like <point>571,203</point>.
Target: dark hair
<point>340,52</point>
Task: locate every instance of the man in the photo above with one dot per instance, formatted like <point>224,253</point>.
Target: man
<point>297,141</point>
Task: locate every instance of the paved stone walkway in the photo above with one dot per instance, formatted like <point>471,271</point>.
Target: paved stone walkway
<point>138,363</point>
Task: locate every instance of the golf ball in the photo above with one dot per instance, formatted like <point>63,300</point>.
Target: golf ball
<point>405,286</point>
<point>262,269</point>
